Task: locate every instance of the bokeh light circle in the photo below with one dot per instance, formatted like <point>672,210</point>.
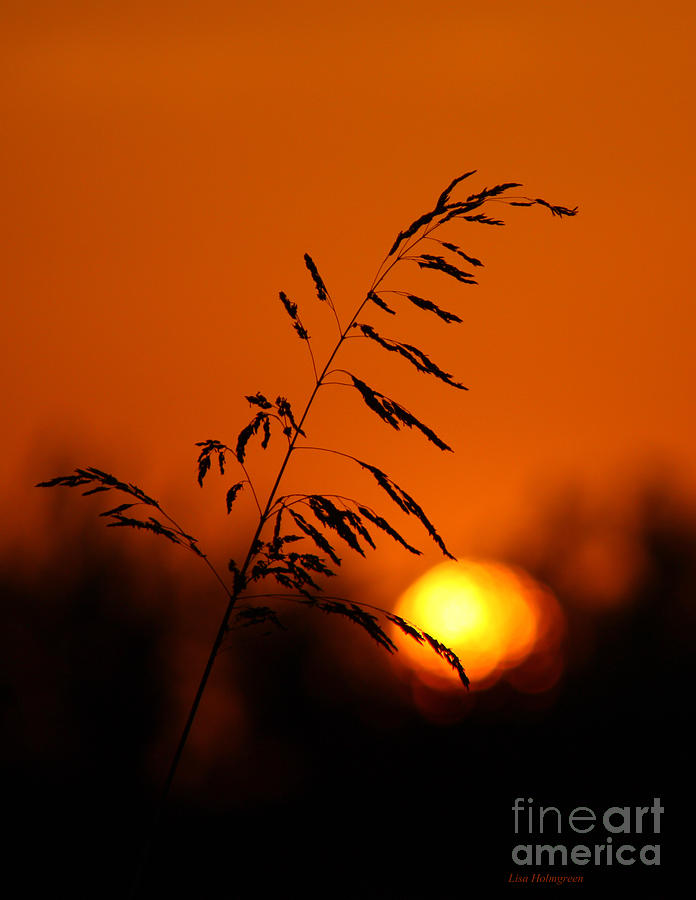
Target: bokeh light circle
<point>495,617</point>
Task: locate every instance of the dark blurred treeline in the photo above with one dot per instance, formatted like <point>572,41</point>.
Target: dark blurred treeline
<point>313,773</point>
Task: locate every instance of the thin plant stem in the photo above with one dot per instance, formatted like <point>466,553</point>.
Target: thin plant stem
<point>232,596</point>
<point>311,356</point>
<point>251,485</point>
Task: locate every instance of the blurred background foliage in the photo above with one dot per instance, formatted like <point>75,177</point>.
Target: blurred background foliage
<point>319,766</point>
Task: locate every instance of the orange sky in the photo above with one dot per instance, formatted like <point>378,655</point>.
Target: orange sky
<point>166,165</point>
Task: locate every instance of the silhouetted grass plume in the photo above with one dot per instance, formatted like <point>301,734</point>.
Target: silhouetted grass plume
<point>299,537</point>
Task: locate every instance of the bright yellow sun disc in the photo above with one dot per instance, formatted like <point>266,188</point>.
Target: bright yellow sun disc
<point>490,615</point>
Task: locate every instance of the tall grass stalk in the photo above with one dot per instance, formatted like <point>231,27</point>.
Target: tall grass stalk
<point>286,519</point>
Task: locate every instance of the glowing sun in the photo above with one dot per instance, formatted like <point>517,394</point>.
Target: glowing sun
<point>493,616</point>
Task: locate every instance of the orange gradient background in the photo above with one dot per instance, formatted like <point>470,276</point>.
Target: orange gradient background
<point>166,165</point>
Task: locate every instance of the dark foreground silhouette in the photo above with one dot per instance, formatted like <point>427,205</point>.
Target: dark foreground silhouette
<point>329,784</point>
